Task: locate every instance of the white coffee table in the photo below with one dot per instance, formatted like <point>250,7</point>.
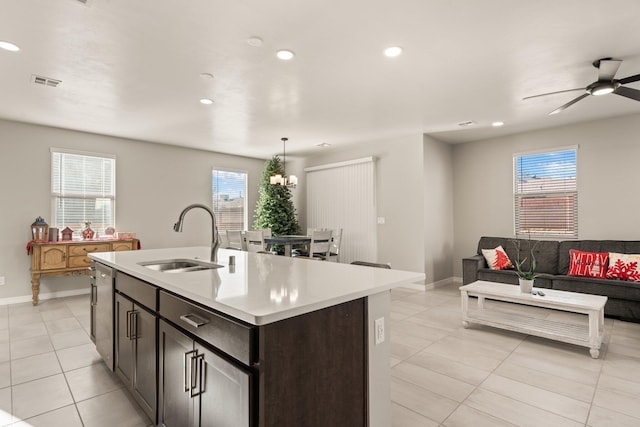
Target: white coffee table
<point>586,335</point>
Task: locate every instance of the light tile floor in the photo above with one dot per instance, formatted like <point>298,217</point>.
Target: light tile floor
<point>448,376</point>
<point>50,373</point>
<point>442,374</point>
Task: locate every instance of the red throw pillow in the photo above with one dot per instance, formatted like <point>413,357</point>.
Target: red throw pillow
<point>497,258</point>
<point>624,267</point>
<point>588,264</point>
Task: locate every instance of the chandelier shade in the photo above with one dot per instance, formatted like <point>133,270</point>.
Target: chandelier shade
<point>284,180</point>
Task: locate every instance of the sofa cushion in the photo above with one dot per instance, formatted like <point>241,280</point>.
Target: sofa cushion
<point>545,252</point>
<point>588,264</point>
<point>618,289</point>
<point>624,267</point>
<point>620,246</point>
<point>497,259</point>
<point>510,277</point>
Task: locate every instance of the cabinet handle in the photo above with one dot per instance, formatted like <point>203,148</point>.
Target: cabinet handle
<point>197,375</point>
<point>132,325</point>
<point>187,370</point>
<point>93,294</point>
<point>194,320</point>
<point>133,334</point>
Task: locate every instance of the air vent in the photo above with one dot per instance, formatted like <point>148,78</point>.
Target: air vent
<point>466,124</point>
<point>45,81</point>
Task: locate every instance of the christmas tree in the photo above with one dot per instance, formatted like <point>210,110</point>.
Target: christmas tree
<point>275,208</point>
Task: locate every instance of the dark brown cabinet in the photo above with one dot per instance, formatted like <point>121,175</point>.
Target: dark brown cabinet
<point>198,388</point>
<point>135,341</point>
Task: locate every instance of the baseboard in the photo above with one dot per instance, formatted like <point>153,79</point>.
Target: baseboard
<point>44,296</point>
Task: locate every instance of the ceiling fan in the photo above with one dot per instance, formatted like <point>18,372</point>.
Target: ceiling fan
<point>607,69</point>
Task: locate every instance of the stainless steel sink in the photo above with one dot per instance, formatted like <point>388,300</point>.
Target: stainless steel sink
<point>179,265</point>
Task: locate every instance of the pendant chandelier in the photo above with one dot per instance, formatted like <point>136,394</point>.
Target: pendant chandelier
<point>290,181</point>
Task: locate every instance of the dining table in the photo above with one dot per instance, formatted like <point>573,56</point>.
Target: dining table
<point>287,241</point>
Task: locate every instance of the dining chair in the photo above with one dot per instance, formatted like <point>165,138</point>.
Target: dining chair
<point>334,252</point>
<point>254,240</point>
<point>234,240</point>
<point>319,247</point>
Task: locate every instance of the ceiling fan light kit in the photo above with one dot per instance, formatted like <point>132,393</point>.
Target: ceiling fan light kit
<point>606,84</point>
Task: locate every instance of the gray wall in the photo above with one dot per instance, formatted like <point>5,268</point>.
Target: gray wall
<point>608,164</point>
<point>153,184</point>
<point>438,210</point>
<point>399,193</point>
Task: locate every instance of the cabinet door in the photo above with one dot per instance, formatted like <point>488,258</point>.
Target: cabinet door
<point>53,257</point>
<point>124,347</point>
<point>222,391</point>
<point>175,404</point>
<point>144,360</point>
<point>122,246</point>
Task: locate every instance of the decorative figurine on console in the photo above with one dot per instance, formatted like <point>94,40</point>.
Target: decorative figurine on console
<point>67,234</point>
<point>87,232</point>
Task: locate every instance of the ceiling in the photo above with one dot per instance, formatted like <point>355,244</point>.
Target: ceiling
<point>133,68</point>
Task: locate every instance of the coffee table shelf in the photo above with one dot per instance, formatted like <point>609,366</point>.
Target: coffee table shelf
<point>589,334</point>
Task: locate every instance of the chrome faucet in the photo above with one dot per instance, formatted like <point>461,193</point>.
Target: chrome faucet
<point>215,240</point>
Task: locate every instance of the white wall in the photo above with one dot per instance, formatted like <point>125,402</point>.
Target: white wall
<point>438,210</point>
<point>153,184</point>
<point>399,192</point>
<point>608,164</point>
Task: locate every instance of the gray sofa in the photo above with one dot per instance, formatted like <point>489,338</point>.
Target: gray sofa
<point>553,266</point>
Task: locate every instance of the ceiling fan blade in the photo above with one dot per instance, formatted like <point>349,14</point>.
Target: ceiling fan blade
<point>608,68</point>
<point>628,92</point>
<point>568,104</point>
<point>552,93</point>
<point>629,79</point>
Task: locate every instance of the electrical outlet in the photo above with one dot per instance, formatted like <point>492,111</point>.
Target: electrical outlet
<point>1,280</point>
<point>378,326</point>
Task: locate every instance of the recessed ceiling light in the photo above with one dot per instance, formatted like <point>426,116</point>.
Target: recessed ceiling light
<point>8,46</point>
<point>393,51</point>
<point>254,41</point>
<point>206,75</point>
<point>497,124</point>
<point>323,145</point>
<point>285,55</point>
<point>206,101</point>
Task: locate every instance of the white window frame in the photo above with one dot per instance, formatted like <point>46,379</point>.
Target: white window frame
<point>61,223</point>
<point>563,191</point>
<point>214,204</point>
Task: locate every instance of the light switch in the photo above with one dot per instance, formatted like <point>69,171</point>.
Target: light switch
<point>380,220</point>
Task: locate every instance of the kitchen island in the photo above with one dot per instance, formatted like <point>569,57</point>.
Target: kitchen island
<point>265,341</point>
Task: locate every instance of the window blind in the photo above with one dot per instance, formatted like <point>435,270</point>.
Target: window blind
<point>229,191</point>
<point>546,194</point>
<point>83,190</point>
<point>342,195</point>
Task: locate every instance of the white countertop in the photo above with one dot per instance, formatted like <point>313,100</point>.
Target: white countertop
<point>263,288</point>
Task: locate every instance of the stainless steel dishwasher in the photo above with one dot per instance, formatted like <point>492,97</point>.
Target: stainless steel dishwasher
<point>102,303</point>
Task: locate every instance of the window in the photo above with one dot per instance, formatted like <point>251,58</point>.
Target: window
<point>83,188</point>
<point>229,191</point>
<point>546,194</point>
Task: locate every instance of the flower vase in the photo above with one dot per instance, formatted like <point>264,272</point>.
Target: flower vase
<point>526,285</point>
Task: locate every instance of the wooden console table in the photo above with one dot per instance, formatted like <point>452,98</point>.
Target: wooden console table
<point>69,258</point>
